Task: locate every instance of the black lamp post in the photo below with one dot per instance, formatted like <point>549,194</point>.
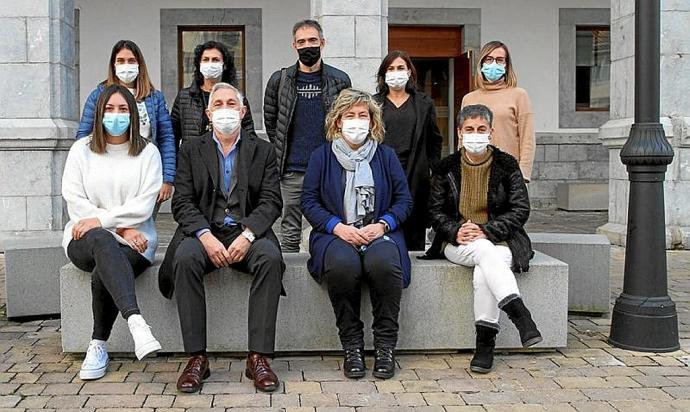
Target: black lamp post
<point>644,316</point>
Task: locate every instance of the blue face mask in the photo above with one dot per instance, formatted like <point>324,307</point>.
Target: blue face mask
<point>116,123</point>
<point>494,71</point>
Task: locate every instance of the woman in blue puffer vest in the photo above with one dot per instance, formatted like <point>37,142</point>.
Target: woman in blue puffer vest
<point>128,68</point>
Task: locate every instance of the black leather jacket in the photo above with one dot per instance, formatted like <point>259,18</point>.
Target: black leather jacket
<point>509,207</point>
<point>279,105</point>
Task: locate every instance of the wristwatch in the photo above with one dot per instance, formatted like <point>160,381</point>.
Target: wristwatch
<point>386,227</point>
<point>249,235</point>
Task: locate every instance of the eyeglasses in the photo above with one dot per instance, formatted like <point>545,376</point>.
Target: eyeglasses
<point>491,59</point>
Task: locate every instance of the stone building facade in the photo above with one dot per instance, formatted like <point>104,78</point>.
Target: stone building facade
<point>56,51</point>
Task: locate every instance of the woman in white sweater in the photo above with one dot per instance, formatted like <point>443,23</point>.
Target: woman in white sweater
<point>110,184</point>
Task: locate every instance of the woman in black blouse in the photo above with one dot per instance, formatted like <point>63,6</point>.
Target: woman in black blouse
<point>410,121</point>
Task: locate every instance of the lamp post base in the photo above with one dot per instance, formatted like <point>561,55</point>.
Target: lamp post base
<point>645,324</point>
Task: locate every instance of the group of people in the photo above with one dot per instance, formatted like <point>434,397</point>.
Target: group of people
<point>364,170</point>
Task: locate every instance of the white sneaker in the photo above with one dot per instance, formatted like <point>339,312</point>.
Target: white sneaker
<point>96,361</point>
<point>144,342</point>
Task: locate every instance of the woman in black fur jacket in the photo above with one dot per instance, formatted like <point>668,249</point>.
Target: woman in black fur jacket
<point>478,207</point>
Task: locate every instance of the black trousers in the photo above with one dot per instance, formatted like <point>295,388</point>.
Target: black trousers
<point>414,227</point>
<point>263,261</point>
<point>345,269</point>
<point>114,267</point>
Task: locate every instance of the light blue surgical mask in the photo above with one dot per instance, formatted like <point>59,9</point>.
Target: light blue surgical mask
<point>116,123</point>
<point>494,71</point>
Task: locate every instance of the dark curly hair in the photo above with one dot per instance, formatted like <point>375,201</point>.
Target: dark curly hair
<point>229,73</point>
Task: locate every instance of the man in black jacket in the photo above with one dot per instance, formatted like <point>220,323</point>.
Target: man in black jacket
<point>227,196</point>
<point>478,207</point>
<point>295,106</point>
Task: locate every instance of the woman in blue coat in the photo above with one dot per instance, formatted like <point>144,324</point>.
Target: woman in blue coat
<point>355,196</point>
<point>128,68</point>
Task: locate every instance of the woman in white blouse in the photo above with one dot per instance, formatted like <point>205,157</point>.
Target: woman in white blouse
<point>110,184</point>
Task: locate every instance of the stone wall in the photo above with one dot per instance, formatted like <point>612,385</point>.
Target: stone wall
<point>38,109</point>
<point>565,158</point>
<point>674,112</point>
<point>356,34</point>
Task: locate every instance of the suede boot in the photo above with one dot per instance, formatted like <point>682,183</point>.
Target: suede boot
<point>519,314</point>
<point>483,359</point>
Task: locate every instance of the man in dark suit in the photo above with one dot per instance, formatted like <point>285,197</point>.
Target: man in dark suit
<point>227,197</point>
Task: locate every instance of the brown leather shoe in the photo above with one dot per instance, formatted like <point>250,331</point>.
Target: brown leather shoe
<point>260,371</point>
<point>194,373</point>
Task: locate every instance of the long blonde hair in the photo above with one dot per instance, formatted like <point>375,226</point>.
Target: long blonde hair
<point>346,99</point>
<point>510,77</point>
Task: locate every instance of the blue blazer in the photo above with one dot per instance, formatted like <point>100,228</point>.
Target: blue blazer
<point>322,202</point>
<point>161,127</point>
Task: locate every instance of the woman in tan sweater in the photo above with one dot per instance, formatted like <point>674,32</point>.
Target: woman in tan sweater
<point>496,87</point>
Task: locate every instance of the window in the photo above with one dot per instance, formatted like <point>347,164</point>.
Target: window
<point>191,36</point>
<point>592,68</point>
<point>584,67</point>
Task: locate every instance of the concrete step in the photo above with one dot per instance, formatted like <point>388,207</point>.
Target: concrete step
<point>32,283</point>
<point>582,196</point>
<point>435,313</point>
<point>588,258</point>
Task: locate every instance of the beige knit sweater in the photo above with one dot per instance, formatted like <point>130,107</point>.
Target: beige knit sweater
<point>474,188</point>
<point>513,121</point>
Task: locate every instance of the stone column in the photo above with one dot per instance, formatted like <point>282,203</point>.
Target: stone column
<point>356,33</point>
<point>674,112</point>
<point>38,111</point>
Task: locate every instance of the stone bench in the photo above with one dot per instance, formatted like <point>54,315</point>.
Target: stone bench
<point>588,259</point>
<point>436,310</point>
<point>31,273</point>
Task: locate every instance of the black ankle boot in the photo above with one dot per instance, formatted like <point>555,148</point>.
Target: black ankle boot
<point>483,359</point>
<point>384,363</point>
<point>354,366</point>
<point>519,314</point>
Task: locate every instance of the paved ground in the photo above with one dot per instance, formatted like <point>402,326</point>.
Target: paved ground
<point>589,375</point>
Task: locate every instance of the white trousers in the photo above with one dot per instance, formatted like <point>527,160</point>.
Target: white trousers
<point>493,279</point>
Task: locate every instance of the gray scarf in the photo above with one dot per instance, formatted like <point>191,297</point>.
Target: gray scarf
<point>358,199</point>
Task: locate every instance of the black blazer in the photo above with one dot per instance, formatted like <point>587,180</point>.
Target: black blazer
<point>508,207</point>
<point>197,185</point>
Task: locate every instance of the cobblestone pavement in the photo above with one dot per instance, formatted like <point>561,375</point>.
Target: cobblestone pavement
<point>588,375</point>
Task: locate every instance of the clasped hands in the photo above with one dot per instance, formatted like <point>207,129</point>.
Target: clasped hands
<point>468,233</point>
<point>134,238</point>
<point>220,255</point>
<point>359,237</point>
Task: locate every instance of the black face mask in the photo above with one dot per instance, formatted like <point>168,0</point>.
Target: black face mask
<point>309,55</point>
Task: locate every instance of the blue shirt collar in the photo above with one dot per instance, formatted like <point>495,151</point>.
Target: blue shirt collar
<point>220,147</point>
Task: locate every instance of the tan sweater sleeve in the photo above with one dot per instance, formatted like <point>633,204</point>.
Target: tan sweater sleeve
<point>526,134</point>
<point>464,101</point>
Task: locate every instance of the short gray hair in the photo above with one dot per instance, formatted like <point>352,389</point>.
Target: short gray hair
<point>307,23</point>
<point>473,111</point>
<point>223,85</point>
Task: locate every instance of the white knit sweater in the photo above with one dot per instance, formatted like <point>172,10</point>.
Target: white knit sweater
<point>118,189</point>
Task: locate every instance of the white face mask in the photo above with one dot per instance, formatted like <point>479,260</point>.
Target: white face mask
<point>355,131</point>
<point>226,121</point>
<point>212,70</point>
<point>127,73</point>
<point>475,143</point>
<point>397,79</point>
